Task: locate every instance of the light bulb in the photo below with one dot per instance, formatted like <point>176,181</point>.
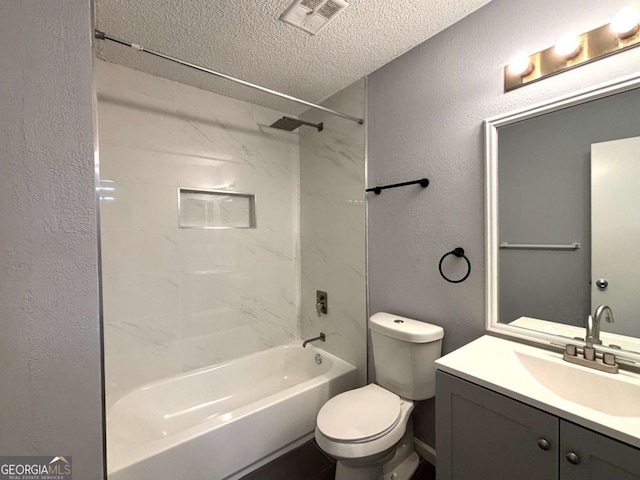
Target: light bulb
<point>568,46</point>
<point>520,65</point>
<point>625,23</point>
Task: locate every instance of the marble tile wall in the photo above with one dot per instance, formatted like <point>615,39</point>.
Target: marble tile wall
<point>179,299</point>
<point>332,204</point>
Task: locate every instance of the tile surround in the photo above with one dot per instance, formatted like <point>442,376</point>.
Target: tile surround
<point>179,299</point>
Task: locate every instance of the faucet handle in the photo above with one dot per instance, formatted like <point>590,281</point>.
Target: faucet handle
<point>571,350</point>
<point>608,358</point>
<point>322,302</point>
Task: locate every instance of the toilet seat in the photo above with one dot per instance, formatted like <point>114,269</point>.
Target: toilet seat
<point>377,445</point>
<point>360,415</point>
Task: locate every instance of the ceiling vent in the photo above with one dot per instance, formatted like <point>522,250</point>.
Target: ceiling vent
<point>313,15</point>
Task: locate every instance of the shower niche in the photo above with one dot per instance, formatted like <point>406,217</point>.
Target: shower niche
<point>214,209</point>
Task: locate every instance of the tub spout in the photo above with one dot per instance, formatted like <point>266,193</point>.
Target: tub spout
<point>322,338</point>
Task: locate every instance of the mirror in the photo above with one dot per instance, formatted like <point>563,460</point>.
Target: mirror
<point>563,223</point>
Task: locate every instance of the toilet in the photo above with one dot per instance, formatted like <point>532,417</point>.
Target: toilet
<point>367,430</point>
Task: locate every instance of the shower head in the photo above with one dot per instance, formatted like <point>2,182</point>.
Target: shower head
<point>290,124</point>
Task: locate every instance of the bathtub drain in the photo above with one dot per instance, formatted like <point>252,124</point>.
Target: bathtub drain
<point>318,358</point>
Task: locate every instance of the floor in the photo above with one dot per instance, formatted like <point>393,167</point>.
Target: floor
<point>308,462</point>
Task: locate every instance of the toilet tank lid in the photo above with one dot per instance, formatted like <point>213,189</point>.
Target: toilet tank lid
<point>406,329</point>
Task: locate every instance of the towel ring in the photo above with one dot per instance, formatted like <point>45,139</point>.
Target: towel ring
<point>458,252</point>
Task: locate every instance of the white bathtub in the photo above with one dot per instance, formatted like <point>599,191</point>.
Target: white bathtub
<point>222,421</point>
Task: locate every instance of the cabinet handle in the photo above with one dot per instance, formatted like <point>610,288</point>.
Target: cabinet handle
<point>572,458</point>
<point>544,444</point>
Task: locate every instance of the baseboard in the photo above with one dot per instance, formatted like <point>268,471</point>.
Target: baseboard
<point>427,453</point>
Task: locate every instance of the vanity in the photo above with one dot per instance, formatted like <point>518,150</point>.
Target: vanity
<point>512,411</point>
<point>553,390</point>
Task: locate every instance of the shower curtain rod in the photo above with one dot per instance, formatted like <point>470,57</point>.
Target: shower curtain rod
<point>104,36</point>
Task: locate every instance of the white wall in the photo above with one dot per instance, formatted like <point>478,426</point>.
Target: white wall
<point>50,399</point>
<point>179,299</point>
<point>332,177</point>
<point>616,230</point>
<point>426,110</point>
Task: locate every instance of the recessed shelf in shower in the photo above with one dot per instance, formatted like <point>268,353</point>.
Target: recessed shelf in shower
<point>214,209</point>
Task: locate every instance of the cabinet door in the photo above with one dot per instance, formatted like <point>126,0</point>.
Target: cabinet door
<point>482,435</point>
<point>598,457</point>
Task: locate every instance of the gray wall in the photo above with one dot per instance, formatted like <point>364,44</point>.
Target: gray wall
<point>544,178</point>
<point>50,400</point>
<point>425,119</point>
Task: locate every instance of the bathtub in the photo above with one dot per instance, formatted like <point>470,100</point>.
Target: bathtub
<point>223,421</point>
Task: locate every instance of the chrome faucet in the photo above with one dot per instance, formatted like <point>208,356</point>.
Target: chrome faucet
<point>603,361</point>
<point>593,324</point>
<point>322,338</point>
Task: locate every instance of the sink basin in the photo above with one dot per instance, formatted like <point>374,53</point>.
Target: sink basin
<point>607,403</point>
<point>603,392</point>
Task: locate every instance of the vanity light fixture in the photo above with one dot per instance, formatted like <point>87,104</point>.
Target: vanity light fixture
<point>568,46</point>
<point>570,51</point>
<point>625,23</point>
<point>520,65</point>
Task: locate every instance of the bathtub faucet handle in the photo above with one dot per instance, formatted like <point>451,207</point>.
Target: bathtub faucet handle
<point>322,302</point>
<point>322,338</point>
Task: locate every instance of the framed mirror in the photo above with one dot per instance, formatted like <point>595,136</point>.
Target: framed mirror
<point>563,218</point>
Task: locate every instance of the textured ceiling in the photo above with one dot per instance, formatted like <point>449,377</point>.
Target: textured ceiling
<point>244,38</point>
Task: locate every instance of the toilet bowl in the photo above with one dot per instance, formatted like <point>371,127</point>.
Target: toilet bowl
<point>362,427</point>
<point>368,431</point>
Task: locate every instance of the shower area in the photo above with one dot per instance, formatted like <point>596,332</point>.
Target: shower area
<point>220,220</point>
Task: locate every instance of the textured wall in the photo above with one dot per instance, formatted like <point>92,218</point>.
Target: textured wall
<point>178,299</point>
<point>426,110</point>
<point>332,227</point>
<point>50,344</point>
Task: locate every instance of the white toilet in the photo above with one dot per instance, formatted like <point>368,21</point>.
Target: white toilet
<point>367,430</point>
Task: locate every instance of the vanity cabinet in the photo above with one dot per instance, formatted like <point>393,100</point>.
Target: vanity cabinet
<point>600,457</point>
<point>482,435</point>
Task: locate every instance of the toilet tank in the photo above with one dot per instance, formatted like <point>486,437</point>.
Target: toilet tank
<point>404,354</point>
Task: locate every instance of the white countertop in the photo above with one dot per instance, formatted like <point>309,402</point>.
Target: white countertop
<point>604,402</point>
